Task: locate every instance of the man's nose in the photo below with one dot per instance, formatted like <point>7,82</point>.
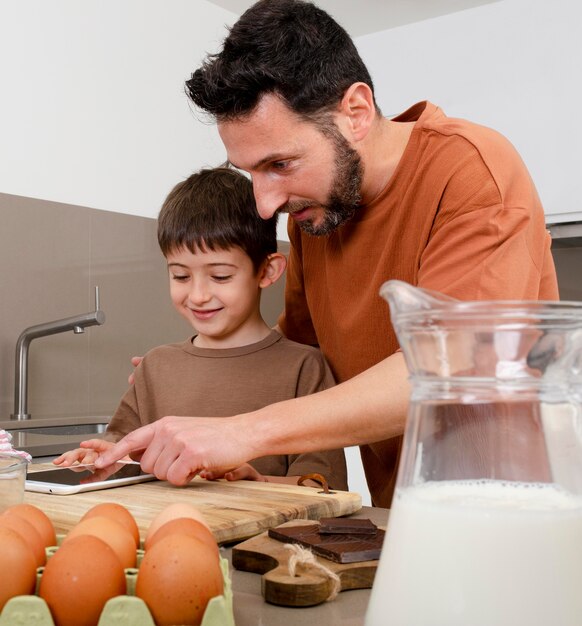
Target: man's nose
<point>269,196</point>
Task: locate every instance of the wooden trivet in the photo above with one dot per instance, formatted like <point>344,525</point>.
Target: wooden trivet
<point>265,555</point>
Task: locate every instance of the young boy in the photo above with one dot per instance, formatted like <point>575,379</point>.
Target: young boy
<point>220,256</point>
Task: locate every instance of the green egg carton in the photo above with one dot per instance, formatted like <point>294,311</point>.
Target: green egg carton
<point>125,610</point>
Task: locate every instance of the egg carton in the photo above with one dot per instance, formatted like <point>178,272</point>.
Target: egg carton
<point>127,610</point>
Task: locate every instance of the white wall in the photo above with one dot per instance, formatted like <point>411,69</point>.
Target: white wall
<point>93,110</point>
<point>514,65</point>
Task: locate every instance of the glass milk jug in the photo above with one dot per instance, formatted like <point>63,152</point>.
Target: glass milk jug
<point>485,527</point>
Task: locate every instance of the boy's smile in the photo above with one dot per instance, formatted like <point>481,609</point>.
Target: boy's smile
<point>218,293</point>
<point>202,314</point>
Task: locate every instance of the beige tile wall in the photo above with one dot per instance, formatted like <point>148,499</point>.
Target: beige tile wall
<point>51,257</point>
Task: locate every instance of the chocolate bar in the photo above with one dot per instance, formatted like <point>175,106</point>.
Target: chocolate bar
<point>337,547</point>
<point>343,525</point>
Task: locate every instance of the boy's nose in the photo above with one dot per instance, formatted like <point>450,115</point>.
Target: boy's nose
<point>198,293</point>
<point>269,196</point>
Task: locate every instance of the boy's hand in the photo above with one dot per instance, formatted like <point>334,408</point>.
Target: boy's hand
<point>135,361</point>
<point>88,453</point>
<point>244,472</point>
<point>79,455</point>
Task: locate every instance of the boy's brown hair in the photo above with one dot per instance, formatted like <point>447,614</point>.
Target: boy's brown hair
<point>215,209</point>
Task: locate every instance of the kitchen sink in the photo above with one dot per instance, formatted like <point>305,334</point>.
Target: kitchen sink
<point>73,429</point>
<point>42,437</point>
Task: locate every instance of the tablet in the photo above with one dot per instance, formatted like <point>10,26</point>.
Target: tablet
<point>79,478</point>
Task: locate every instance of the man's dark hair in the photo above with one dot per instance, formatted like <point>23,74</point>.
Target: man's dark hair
<point>215,209</point>
<point>286,47</point>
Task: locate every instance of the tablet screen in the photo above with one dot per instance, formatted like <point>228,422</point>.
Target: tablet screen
<point>85,478</point>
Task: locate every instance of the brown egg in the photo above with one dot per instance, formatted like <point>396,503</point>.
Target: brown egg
<point>118,513</point>
<point>112,533</point>
<point>17,566</point>
<point>177,578</point>
<point>174,511</point>
<point>38,519</point>
<point>183,526</point>
<point>79,579</point>
<point>29,533</point>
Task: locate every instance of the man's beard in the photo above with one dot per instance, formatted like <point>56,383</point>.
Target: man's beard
<point>346,188</point>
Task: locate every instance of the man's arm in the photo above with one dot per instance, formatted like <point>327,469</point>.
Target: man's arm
<point>369,407</point>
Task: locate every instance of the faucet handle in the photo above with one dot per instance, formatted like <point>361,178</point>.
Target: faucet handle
<point>96,298</point>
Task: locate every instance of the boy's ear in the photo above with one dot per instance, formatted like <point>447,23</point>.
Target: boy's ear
<point>273,268</point>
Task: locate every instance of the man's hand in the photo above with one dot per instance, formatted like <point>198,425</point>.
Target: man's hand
<point>135,361</point>
<point>178,448</point>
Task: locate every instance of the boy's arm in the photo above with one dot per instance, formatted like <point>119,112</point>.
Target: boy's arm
<point>248,472</point>
<point>126,417</point>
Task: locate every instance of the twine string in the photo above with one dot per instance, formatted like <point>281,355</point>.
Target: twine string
<point>302,557</point>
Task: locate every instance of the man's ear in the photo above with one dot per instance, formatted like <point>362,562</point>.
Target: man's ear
<point>357,111</point>
<point>273,268</point>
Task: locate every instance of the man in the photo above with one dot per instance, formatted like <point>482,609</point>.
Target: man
<point>437,202</point>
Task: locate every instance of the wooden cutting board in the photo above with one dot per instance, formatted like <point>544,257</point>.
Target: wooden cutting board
<point>233,510</point>
<point>309,586</point>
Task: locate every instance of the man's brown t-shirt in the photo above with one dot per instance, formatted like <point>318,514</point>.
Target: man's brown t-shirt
<point>460,215</point>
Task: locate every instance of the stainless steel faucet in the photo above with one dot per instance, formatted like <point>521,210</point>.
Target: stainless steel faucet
<point>77,324</point>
